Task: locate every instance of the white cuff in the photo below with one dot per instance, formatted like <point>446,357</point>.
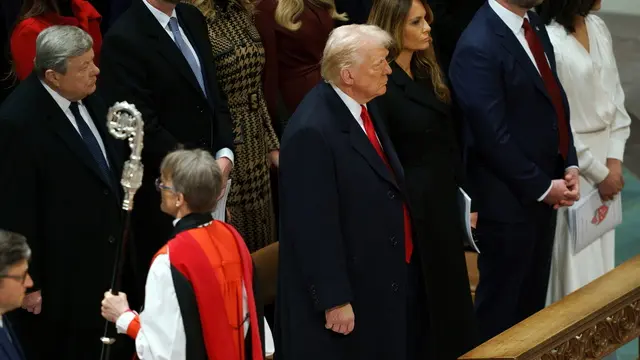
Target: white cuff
<point>225,152</point>
<point>545,193</point>
<point>596,172</point>
<point>616,149</point>
<point>122,324</point>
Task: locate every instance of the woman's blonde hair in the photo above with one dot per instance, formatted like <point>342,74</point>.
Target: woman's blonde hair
<point>391,16</point>
<point>288,12</point>
<point>207,9</point>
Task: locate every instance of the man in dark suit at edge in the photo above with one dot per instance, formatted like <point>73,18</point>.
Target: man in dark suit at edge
<point>522,162</point>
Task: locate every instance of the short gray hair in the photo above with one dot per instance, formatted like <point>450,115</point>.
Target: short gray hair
<point>341,50</point>
<point>56,44</point>
<point>13,250</point>
<point>196,175</point>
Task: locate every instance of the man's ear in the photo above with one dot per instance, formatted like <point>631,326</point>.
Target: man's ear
<point>52,77</point>
<point>346,75</point>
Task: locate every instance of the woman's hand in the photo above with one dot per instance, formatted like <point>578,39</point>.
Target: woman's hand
<point>114,305</point>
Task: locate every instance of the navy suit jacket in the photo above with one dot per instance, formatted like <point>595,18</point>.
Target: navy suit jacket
<point>510,125</point>
<point>4,352</point>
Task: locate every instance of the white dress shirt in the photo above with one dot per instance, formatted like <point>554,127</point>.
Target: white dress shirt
<point>354,107</point>
<point>163,19</point>
<point>65,106</point>
<point>514,23</point>
<point>162,335</point>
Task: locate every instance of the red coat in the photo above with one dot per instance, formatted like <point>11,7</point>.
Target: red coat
<point>23,38</point>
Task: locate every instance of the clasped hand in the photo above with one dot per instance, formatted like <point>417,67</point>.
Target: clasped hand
<point>564,192</point>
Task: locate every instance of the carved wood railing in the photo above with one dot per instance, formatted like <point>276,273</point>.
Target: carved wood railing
<point>590,323</point>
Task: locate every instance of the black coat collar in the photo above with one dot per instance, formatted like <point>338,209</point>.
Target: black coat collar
<point>360,142</point>
<point>420,90</point>
<point>58,122</point>
<point>191,221</point>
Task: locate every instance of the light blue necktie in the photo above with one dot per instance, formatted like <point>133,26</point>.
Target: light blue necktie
<point>188,55</point>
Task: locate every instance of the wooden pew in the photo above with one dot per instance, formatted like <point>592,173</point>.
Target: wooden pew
<point>590,323</point>
<point>266,263</point>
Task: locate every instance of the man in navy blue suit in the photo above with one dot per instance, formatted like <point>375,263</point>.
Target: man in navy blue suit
<point>14,282</point>
<point>520,155</point>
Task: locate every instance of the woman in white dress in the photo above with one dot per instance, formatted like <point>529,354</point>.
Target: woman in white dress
<point>588,72</point>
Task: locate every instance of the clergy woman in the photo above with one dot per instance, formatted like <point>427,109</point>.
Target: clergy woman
<point>199,297</point>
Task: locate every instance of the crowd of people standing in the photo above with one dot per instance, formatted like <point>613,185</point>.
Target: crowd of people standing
<point>345,130</point>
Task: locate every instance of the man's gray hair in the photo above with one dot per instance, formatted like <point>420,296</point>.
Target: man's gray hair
<point>56,44</point>
<point>343,48</point>
<point>196,175</point>
<point>13,250</point>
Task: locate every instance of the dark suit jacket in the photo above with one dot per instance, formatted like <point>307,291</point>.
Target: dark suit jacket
<point>511,124</point>
<point>117,8</point>
<point>143,66</point>
<point>56,196</point>
<point>451,17</point>
<point>422,132</point>
<point>341,238</point>
<point>15,342</point>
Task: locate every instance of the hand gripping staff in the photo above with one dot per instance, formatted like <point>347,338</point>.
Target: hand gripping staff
<point>124,121</point>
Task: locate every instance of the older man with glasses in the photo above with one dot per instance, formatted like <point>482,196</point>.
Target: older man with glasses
<point>14,282</point>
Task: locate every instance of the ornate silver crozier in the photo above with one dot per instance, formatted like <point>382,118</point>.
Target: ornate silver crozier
<point>124,121</point>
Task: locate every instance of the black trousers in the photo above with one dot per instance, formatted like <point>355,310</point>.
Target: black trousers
<point>514,265</point>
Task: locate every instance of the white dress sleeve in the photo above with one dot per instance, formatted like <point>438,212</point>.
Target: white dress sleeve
<point>161,335</point>
<point>620,126</point>
<point>590,167</point>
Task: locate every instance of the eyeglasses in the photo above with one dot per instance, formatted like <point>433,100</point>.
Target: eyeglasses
<point>160,186</point>
<point>19,278</point>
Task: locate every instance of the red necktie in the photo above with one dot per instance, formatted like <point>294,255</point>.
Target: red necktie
<point>550,84</point>
<point>371,134</point>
